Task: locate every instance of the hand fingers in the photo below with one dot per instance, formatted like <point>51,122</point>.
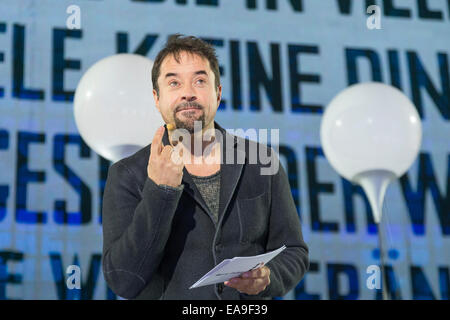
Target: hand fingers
<point>249,286</point>
<point>243,283</point>
<point>166,152</point>
<point>156,146</point>
<point>175,155</point>
<point>257,273</point>
<point>251,282</point>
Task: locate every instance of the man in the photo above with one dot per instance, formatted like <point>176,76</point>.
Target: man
<point>166,223</point>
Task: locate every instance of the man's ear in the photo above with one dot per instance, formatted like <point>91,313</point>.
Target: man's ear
<point>156,98</point>
<point>219,94</point>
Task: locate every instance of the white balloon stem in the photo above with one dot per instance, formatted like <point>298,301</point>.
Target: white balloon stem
<point>375,183</point>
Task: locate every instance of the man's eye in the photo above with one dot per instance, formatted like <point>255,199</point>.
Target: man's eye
<point>173,83</point>
<point>201,81</point>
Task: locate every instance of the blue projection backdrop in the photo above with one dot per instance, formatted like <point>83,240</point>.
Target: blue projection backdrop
<point>281,63</point>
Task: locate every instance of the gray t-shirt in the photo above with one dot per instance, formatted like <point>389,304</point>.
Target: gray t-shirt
<point>209,188</point>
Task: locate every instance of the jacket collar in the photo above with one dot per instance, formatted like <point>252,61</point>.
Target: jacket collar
<point>230,173</point>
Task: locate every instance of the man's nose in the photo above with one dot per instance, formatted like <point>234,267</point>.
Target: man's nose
<point>188,93</point>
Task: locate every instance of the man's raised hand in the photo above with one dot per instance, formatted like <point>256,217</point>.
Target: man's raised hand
<point>162,168</point>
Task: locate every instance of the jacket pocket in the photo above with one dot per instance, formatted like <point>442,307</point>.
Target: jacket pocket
<point>253,218</point>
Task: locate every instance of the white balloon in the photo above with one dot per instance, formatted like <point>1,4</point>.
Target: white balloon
<point>371,133</point>
<point>114,107</point>
<point>371,126</point>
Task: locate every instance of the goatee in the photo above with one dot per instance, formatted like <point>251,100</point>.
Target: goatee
<point>191,116</point>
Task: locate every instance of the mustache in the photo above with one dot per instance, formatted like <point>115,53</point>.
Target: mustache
<point>188,105</point>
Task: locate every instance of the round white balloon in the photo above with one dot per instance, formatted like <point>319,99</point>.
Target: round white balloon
<point>371,126</point>
<point>114,107</point>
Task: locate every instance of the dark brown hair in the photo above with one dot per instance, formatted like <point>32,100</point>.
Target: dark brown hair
<point>176,44</point>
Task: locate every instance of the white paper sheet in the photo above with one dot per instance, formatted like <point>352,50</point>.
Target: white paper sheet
<point>231,268</point>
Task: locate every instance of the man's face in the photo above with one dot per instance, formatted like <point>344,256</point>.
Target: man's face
<point>187,91</point>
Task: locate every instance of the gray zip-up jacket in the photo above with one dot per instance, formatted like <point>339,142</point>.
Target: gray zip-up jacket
<point>159,240</point>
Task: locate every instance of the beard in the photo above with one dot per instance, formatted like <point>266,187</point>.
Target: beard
<point>186,121</point>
